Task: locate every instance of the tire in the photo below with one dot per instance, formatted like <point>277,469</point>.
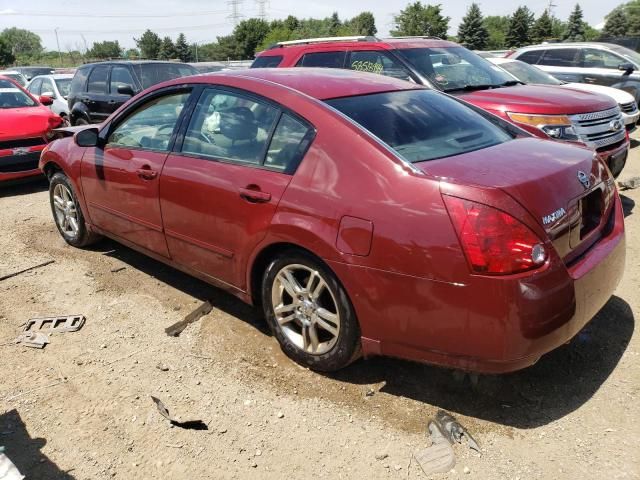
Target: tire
<point>321,307</point>
<point>65,207</point>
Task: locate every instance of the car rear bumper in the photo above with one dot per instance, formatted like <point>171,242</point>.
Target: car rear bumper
<point>489,324</point>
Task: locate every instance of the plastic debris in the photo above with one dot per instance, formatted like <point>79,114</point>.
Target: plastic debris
<point>8,470</point>
<point>454,432</point>
<point>33,340</point>
<point>439,457</point>
<point>177,328</point>
<point>629,184</point>
<point>189,425</point>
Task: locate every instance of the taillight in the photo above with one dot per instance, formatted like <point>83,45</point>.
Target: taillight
<point>494,242</point>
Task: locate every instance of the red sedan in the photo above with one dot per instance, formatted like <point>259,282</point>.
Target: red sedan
<point>25,129</point>
<point>364,214</point>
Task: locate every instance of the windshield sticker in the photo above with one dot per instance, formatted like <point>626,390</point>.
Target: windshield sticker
<point>9,90</point>
<point>364,66</point>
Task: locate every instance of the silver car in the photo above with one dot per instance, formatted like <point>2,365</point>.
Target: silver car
<point>56,87</point>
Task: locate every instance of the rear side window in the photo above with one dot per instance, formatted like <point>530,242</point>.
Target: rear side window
<point>267,61</point>
<point>560,57</point>
<point>323,59</point>
<point>98,80</point>
<point>422,124</point>
<point>79,80</point>
<point>531,57</point>
<point>151,74</point>
<point>289,144</point>
<point>377,62</point>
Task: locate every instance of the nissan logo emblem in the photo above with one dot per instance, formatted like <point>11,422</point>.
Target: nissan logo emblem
<point>583,178</point>
<point>615,125</point>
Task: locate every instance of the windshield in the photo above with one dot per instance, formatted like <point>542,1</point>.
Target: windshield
<point>63,85</point>
<point>153,73</point>
<point>455,68</point>
<point>421,124</point>
<point>627,53</point>
<point>528,73</point>
<point>15,76</point>
<point>12,97</point>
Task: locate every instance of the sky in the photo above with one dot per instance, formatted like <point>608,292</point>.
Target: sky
<point>202,21</point>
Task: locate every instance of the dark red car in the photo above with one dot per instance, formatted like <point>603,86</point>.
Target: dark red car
<point>365,214</point>
<point>25,128</point>
<point>545,111</point>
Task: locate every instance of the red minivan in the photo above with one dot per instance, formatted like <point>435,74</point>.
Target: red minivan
<point>364,214</point>
<point>545,111</point>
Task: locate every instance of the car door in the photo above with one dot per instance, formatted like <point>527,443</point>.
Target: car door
<point>120,77</point>
<point>600,67</point>
<point>562,63</point>
<point>219,190</point>
<point>96,98</point>
<point>120,178</point>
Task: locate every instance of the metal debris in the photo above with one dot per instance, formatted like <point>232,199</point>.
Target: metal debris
<point>40,265</point>
<point>189,424</point>
<point>61,324</point>
<point>33,339</point>
<point>177,328</point>
<point>8,470</point>
<point>454,432</point>
<point>439,457</point>
<point>629,184</point>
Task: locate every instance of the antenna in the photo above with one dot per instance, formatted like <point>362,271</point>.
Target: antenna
<point>262,9</point>
<point>235,14</point>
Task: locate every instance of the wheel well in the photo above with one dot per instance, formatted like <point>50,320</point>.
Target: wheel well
<point>262,261</point>
<point>51,168</point>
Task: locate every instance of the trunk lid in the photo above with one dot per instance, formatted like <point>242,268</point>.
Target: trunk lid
<point>544,177</point>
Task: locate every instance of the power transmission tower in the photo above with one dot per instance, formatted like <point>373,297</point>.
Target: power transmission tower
<point>235,16</point>
<point>550,8</point>
<point>262,9</point>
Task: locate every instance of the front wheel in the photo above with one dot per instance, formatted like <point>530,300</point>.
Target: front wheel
<point>309,312</point>
<point>67,213</point>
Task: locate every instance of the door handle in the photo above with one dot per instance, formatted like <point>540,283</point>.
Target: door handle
<point>254,195</point>
<point>146,173</point>
<point>111,102</point>
<point>590,79</point>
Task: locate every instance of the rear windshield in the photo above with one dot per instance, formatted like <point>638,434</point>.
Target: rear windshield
<point>153,73</point>
<point>267,61</point>
<point>529,74</point>
<point>12,97</point>
<point>421,124</point>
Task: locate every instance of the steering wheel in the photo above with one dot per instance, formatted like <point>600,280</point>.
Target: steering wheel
<point>207,138</point>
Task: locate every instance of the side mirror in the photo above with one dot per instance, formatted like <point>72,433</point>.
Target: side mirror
<point>626,67</point>
<point>87,138</point>
<point>46,100</point>
<point>126,90</point>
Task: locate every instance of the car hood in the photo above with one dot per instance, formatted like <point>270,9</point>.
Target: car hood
<point>539,99</point>
<point>620,96</point>
<point>24,122</point>
<point>541,175</point>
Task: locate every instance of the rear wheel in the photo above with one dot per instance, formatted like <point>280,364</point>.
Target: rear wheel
<point>67,213</point>
<point>309,312</point>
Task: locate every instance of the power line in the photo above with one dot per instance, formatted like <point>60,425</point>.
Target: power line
<point>127,15</point>
<point>137,30</point>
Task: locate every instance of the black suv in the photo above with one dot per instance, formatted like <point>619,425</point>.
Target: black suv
<point>98,89</point>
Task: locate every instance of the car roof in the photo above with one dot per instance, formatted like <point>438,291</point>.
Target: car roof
<point>132,62</point>
<point>55,76</point>
<point>569,44</point>
<point>499,60</point>
<point>319,83</point>
<point>10,71</point>
<point>389,43</point>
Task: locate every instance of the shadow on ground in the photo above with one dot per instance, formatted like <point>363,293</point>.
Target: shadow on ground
<point>23,187</point>
<point>186,283</point>
<point>628,205</point>
<point>25,452</point>
<point>558,384</point>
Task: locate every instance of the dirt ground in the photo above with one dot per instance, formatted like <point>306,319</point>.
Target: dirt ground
<point>81,407</point>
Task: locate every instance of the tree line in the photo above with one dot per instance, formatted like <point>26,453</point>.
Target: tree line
<point>252,35</point>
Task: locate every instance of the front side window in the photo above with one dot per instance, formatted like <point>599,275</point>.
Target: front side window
<point>601,59</point>
<point>120,77</point>
<point>34,86</point>
<point>529,74</point>
<point>98,80</point>
<point>227,125</point>
<point>63,85</point>
<point>13,97</point>
<point>267,61</point>
<point>150,126</point>
<point>154,73</point>
<point>455,68</point>
<point>560,57</point>
<point>377,62</point>
<point>47,87</point>
<point>422,124</point>
<point>323,60</point>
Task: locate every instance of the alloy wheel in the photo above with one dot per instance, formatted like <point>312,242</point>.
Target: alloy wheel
<point>65,210</point>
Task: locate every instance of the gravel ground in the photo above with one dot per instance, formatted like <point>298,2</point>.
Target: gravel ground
<point>81,407</point>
